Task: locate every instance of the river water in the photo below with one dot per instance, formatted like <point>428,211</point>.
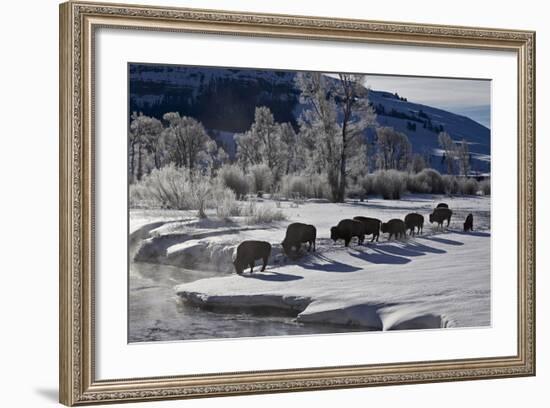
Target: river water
<point>156,313</point>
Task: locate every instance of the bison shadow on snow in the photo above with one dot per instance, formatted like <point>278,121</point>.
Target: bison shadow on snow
<point>380,257</point>
<point>380,254</point>
<point>319,262</point>
<point>395,254</point>
<point>445,241</point>
<point>272,276</point>
<point>404,251</point>
<point>409,249</point>
<point>425,248</point>
<point>473,233</point>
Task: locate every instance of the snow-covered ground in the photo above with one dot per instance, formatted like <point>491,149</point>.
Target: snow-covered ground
<point>438,279</point>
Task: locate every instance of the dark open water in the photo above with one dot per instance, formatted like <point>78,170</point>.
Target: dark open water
<point>157,314</point>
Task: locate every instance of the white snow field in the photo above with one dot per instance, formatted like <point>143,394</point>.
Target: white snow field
<point>439,279</point>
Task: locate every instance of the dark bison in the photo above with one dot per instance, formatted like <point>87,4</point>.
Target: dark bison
<point>248,252</point>
<point>414,220</point>
<point>439,215</point>
<point>372,226</point>
<point>395,227</point>
<point>442,205</point>
<point>296,233</point>
<point>346,230</point>
<point>469,223</point>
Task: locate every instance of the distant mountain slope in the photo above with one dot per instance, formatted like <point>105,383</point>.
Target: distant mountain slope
<point>422,123</point>
<point>220,98</point>
<point>224,100</point>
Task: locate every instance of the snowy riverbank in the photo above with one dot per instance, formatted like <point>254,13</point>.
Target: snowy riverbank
<point>435,281</point>
<point>439,279</point>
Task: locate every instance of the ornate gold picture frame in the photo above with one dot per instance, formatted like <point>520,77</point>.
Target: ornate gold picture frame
<point>78,24</point>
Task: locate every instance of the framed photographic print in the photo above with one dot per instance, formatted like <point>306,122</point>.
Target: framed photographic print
<point>262,203</point>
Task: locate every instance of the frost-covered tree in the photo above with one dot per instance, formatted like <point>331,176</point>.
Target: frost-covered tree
<point>187,141</point>
<point>463,154</point>
<point>450,151</point>
<point>262,143</point>
<point>393,149</point>
<point>418,163</point>
<point>248,152</point>
<point>292,150</point>
<point>144,137</point>
<point>333,125</point>
<point>220,158</point>
<point>357,165</point>
<point>319,128</point>
<point>268,132</point>
<point>261,178</point>
<point>351,97</point>
<point>156,148</point>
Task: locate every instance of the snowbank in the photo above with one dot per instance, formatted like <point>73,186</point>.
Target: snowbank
<point>440,279</point>
<point>206,244</point>
<point>384,286</point>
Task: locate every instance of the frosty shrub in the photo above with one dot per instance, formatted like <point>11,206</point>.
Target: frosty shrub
<point>225,202</point>
<point>355,191</point>
<point>390,184</point>
<point>367,184</point>
<point>318,186</point>
<point>139,197</point>
<point>301,186</point>
<point>293,186</point>
<point>485,187</point>
<point>261,178</point>
<point>233,177</point>
<point>168,187</point>
<point>177,188</point>
<point>427,181</point>
<point>260,213</point>
<point>451,185</point>
<point>200,191</point>
<point>417,183</point>
<point>469,186</point>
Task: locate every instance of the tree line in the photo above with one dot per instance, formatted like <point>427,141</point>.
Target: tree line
<point>329,142</point>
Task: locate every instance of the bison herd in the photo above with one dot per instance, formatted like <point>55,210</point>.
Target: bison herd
<point>248,252</point>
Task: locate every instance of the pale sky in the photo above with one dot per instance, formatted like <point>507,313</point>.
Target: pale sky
<point>468,97</point>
